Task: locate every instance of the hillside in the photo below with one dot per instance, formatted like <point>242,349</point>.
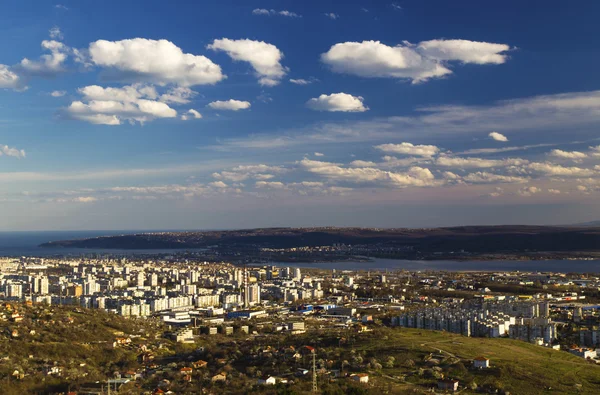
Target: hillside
<point>50,350</point>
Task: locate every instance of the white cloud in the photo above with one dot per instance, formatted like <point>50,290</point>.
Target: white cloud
<point>264,11</point>
<point>61,7</point>
<point>14,152</point>
<point>567,154</point>
<point>264,58</point>
<point>392,161</point>
<point>55,33</point>
<point>178,94</point>
<point>300,81</point>
<point>218,184</point>
<point>84,199</point>
<point>191,114</point>
<point>528,191</point>
<point>464,51</point>
<point>270,184</point>
<point>332,15</point>
<point>319,154</point>
<point>415,176</point>
<point>244,172</point>
<point>112,106</point>
<point>551,169</point>
<point>407,61</point>
<point>362,163</point>
<point>482,177</point>
<point>128,93</point>
<point>409,149</point>
<point>498,137</point>
<point>337,102</point>
<point>469,163</point>
<point>396,7</point>
<point>583,188</point>
<point>553,191</point>
<point>8,78</point>
<point>58,93</point>
<point>229,105</point>
<point>451,176</point>
<point>595,150</point>
<point>157,61</point>
<point>48,65</point>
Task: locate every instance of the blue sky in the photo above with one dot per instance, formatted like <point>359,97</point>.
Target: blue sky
<point>226,114</point>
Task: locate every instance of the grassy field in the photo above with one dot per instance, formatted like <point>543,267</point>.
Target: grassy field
<point>516,366</point>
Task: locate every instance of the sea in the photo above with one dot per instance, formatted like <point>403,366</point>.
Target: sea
<point>16,244</point>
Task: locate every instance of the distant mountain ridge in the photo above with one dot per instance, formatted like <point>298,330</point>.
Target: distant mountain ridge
<point>590,223</point>
<point>480,239</point>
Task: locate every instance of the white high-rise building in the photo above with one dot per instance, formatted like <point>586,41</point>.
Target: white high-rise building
<point>153,280</point>
<point>14,290</point>
<point>253,294</point>
<point>40,285</point>
<point>90,287</point>
<point>297,274</point>
<point>140,279</point>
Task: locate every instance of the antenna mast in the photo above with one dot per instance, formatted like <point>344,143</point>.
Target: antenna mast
<point>314,372</point>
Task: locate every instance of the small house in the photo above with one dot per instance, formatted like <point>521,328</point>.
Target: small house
<point>267,380</point>
<point>481,363</point>
<point>360,377</point>
<point>447,385</point>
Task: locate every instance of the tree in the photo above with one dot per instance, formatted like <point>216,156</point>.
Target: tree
<point>390,362</point>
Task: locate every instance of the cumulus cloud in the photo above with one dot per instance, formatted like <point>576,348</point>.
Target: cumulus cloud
<point>469,163</point>
<point>583,188</point>
<point>415,176</point>
<point>244,172</point>
<point>319,154</point>
<point>553,191</point>
<point>595,150</point>
<point>55,33</point>
<point>58,93</point>
<point>343,102</point>
<point>392,161</point>
<point>464,51</point>
<point>362,163</point>
<point>8,78</point>
<point>428,59</point>
<point>112,106</point>
<point>528,191</point>
<point>551,169</point>
<point>178,95</point>
<point>264,58</point>
<point>48,65</point>
<point>13,152</point>
<point>264,11</point>
<point>303,187</point>
<point>270,184</point>
<point>482,177</point>
<point>332,15</point>
<point>409,149</point>
<point>229,105</point>
<point>191,114</point>
<point>218,184</point>
<point>557,153</point>
<point>498,137</point>
<point>156,61</point>
<point>84,199</point>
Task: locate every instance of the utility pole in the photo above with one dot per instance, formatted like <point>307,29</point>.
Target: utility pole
<point>315,389</point>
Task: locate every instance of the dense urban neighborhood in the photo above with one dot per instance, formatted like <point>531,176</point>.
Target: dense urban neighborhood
<point>171,324</point>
